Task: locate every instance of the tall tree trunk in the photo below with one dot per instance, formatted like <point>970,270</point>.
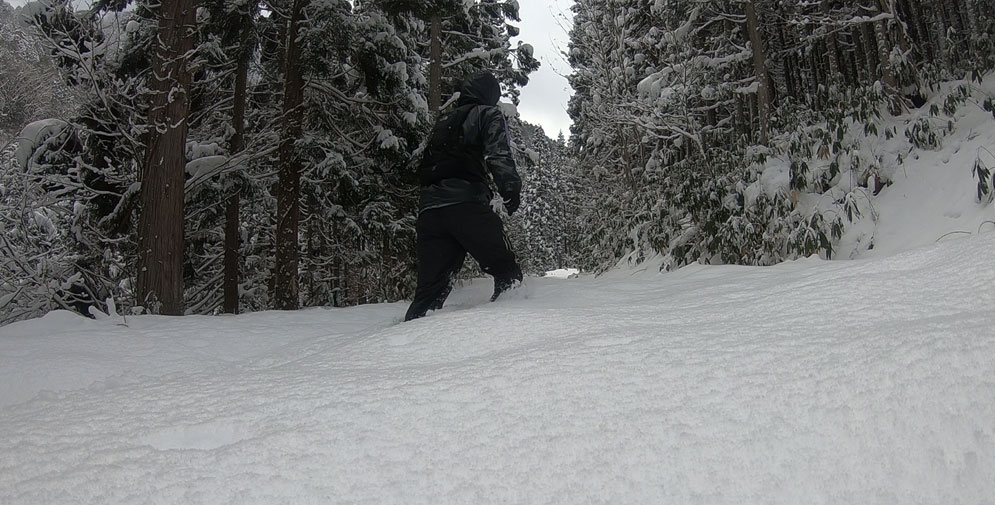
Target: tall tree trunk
<point>870,44</point>
<point>231,253</point>
<point>970,35</point>
<point>970,22</point>
<point>940,36</point>
<point>309,282</point>
<point>816,78</point>
<point>783,75</point>
<point>289,179</point>
<point>832,46</point>
<point>862,57</point>
<point>435,66</point>
<point>899,28</point>
<point>953,14</point>
<point>915,30</point>
<point>237,145</point>
<point>759,68</point>
<point>849,57</point>
<point>883,45</point>
<point>742,124</point>
<point>160,228</point>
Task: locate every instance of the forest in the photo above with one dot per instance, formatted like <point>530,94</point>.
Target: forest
<point>211,156</point>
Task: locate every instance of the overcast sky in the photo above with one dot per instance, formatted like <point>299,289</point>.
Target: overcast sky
<point>544,25</point>
<point>544,101</point>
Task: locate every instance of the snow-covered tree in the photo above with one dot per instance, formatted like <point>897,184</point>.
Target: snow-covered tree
<point>541,229</point>
<point>679,103</point>
<point>30,86</point>
<point>97,171</point>
<point>350,136</point>
<point>163,171</point>
<point>39,227</point>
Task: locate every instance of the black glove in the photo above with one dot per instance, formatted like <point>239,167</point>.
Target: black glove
<point>512,202</point>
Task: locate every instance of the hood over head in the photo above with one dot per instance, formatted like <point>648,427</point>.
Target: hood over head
<point>480,88</point>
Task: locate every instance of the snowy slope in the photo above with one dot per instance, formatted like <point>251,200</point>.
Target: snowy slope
<point>853,382</point>
<point>933,195</point>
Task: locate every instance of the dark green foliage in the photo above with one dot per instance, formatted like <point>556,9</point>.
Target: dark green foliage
<point>986,182</point>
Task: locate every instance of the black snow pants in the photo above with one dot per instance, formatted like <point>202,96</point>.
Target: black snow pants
<point>445,235</point>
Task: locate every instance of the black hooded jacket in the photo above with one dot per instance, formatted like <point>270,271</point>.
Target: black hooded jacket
<point>455,165</point>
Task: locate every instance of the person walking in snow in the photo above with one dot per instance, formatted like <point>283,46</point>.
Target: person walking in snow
<point>454,212</point>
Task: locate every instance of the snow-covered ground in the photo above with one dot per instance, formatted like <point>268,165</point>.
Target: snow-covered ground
<point>844,382</point>
<point>869,381</point>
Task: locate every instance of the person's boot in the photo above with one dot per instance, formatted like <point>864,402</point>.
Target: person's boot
<point>441,300</point>
<point>502,285</point>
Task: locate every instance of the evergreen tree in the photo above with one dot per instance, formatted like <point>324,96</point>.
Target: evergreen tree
<point>285,289</point>
<point>222,151</point>
<point>161,224</point>
<point>103,56</point>
<point>541,226</point>
<point>361,114</point>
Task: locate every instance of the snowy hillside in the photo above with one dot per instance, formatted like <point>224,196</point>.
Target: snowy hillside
<point>932,195</point>
<point>869,381</point>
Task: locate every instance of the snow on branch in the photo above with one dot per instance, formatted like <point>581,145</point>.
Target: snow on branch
<point>483,54</point>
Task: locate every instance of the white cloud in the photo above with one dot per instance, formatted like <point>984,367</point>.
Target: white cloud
<point>545,25</point>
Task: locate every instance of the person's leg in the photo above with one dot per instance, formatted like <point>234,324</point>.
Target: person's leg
<point>439,256</point>
<point>457,264</point>
<point>480,231</point>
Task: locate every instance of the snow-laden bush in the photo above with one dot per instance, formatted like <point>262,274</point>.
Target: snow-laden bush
<point>37,262</point>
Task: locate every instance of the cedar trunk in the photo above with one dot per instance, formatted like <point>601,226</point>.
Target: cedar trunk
<point>160,228</point>
<point>759,68</point>
<point>835,66</point>
<point>435,66</point>
<point>237,145</point>
<point>286,283</point>
<point>884,54</point>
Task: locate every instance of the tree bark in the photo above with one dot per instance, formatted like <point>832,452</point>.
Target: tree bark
<point>231,254</point>
<point>232,205</point>
<point>915,29</point>
<point>883,46</point>
<point>286,283</point>
<point>788,64</point>
<point>435,66</point>
<point>861,57</point>
<point>759,68</point>
<point>835,66</point>
<point>943,50</point>
<point>870,43</point>
<point>160,229</point>
<point>970,24</point>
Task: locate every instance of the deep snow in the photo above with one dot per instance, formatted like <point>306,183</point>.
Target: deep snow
<point>869,381</point>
